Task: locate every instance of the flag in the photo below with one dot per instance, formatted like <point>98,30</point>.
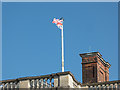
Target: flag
<point>58,22</point>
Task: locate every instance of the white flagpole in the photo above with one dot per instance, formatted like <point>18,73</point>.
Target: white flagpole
<point>62,50</point>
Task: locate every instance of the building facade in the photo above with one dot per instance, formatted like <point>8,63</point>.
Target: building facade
<point>95,75</point>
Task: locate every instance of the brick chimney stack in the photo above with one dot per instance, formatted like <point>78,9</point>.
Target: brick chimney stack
<point>94,68</point>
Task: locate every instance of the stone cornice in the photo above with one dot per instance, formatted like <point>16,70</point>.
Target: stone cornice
<point>104,62</point>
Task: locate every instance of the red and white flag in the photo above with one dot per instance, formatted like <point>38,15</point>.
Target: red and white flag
<point>58,22</point>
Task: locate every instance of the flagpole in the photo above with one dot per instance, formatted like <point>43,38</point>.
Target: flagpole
<point>62,50</point>
<point>59,23</point>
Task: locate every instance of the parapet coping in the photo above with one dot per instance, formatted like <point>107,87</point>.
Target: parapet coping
<point>42,76</point>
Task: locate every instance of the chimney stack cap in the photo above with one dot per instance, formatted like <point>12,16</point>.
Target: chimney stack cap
<point>91,54</point>
<point>98,55</point>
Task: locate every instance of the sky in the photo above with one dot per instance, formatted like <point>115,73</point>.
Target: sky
<point>31,43</point>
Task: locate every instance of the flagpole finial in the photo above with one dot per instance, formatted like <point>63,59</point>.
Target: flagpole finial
<point>62,18</point>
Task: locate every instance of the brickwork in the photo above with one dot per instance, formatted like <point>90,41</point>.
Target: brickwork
<point>89,69</point>
<point>94,68</point>
<point>89,72</point>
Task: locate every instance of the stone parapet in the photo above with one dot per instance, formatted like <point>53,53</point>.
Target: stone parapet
<point>61,79</point>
